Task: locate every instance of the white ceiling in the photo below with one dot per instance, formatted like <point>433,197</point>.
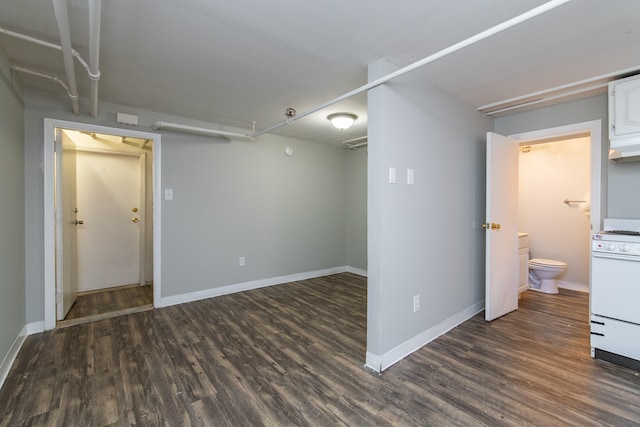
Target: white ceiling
<point>235,62</point>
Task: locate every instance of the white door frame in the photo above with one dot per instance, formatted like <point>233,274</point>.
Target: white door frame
<point>48,167</point>
<point>594,128</point>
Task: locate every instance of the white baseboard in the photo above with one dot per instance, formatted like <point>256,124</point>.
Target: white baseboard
<point>7,363</point>
<point>380,363</point>
<point>358,271</point>
<point>581,287</point>
<point>35,327</point>
<point>239,287</point>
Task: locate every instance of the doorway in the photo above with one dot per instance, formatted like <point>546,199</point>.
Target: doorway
<point>107,176</point>
<point>554,204</point>
<point>117,249</point>
<point>588,202</point>
<point>503,294</point>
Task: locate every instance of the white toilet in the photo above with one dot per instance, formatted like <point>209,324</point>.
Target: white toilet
<point>543,273</point>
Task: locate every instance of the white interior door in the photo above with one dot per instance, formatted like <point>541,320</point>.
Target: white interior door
<point>501,223</point>
<point>109,202</point>
<point>66,225</point>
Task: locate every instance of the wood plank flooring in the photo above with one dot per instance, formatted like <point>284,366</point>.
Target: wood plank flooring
<point>292,355</point>
<point>96,303</point>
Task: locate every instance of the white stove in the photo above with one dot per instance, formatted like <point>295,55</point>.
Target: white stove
<point>620,236</point>
<point>615,292</point>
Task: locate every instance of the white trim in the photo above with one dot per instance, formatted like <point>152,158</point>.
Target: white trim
<point>580,287</point>
<point>373,362</point>
<point>48,169</point>
<point>239,287</point>
<point>358,271</point>
<point>380,363</point>
<point>10,358</point>
<point>35,327</point>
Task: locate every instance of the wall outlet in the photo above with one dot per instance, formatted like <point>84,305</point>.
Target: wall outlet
<point>241,261</point>
<point>416,303</point>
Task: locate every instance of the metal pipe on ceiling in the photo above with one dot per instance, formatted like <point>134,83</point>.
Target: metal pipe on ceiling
<point>444,52</point>
<point>431,58</point>
<point>95,7</point>
<point>548,94</point>
<point>43,75</point>
<point>60,10</point>
<point>196,130</point>
<point>44,43</point>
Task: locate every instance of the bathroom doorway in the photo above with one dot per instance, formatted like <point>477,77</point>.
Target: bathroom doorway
<point>560,208</point>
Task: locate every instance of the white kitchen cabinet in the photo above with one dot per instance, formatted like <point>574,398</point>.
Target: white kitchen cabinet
<point>624,108</point>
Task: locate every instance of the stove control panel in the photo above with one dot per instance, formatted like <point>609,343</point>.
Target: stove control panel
<point>622,248</point>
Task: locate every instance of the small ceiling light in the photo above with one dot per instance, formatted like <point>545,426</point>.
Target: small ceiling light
<point>342,120</point>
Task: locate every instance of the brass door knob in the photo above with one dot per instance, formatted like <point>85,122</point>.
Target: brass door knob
<point>135,219</point>
<point>491,225</point>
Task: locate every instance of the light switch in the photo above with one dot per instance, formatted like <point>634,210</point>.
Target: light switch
<point>392,175</point>
<point>168,194</point>
<point>409,176</point>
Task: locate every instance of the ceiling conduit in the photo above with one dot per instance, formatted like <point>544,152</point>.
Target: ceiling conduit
<point>46,44</point>
<point>94,52</point>
<point>431,58</point>
<point>43,75</point>
<point>60,9</point>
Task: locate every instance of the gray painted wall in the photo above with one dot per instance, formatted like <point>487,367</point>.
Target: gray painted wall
<point>12,225</point>
<point>357,208</point>
<point>286,215</point>
<point>424,239</point>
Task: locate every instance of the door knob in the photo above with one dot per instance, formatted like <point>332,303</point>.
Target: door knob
<point>134,219</point>
<point>491,225</point>
<point>76,222</point>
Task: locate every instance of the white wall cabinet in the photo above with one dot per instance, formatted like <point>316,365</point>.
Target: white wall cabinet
<point>624,108</point>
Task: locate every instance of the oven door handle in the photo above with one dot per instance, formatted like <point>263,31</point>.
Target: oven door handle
<point>615,256</point>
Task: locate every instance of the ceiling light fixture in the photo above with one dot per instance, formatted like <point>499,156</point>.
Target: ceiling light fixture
<point>342,120</point>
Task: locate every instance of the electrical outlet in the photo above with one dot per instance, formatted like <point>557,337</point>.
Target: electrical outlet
<point>416,303</point>
<point>241,261</point>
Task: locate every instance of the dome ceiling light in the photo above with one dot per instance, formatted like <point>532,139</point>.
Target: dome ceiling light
<point>342,120</point>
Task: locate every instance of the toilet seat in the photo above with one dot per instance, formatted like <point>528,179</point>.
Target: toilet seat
<point>549,263</point>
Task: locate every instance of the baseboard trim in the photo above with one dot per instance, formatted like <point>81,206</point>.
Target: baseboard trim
<point>10,358</point>
<point>581,287</point>
<point>358,271</point>
<point>246,286</point>
<point>35,327</point>
<point>379,363</point>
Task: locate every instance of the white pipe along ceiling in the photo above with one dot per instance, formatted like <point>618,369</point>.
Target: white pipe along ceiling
<point>43,75</point>
<point>68,53</point>
<point>94,52</point>
<point>431,58</point>
<point>60,10</point>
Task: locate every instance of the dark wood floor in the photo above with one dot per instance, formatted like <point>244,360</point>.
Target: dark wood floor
<point>96,305</point>
<point>293,354</point>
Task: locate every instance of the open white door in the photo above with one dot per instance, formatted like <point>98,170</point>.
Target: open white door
<point>501,223</point>
<point>66,225</point>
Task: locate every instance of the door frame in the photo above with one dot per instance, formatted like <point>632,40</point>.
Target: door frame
<point>48,168</point>
<point>594,129</point>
